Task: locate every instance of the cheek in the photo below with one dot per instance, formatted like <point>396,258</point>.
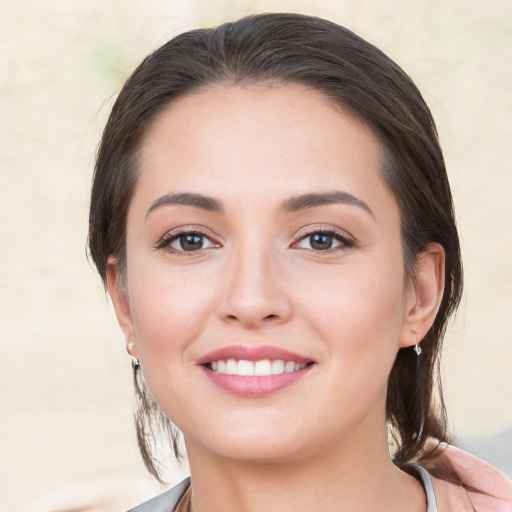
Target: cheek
<point>169,313</point>
<point>169,309</point>
<point>359,311</point>
<point>359,318</point>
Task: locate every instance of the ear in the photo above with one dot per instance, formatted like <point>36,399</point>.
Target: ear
<point>424,294</point>
<point>119,295</point>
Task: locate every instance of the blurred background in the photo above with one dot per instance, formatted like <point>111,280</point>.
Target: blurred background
<point>66,437</point>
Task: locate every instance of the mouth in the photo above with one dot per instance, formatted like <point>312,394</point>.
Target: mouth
<point>254,371</point>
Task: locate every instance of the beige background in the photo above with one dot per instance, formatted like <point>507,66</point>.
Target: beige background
<point>66,436</point>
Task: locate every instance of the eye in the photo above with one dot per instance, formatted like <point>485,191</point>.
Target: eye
<point>323,241</point>
<point>186,241</point>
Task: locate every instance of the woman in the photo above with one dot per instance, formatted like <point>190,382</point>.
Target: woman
<point>272,218</point>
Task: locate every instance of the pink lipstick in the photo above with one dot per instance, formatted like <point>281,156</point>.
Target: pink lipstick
<point>254,371</point>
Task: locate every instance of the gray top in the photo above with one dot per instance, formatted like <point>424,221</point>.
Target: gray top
<point>428,486</point>
<point>167,501</point>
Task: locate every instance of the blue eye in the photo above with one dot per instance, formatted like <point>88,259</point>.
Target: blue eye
<point>186,242</point>
<point>323,241</point>
<point>190,242</point>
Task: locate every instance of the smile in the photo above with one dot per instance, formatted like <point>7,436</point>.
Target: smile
<point>254,371</point>
<point>262,368</point>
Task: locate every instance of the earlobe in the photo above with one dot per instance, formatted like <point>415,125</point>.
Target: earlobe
<point>424,295</point>
<point>120,300</point>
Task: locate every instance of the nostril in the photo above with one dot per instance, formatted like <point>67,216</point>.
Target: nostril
<point>268,317</point>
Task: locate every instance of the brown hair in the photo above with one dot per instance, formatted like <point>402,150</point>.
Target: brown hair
<point>291,48</point>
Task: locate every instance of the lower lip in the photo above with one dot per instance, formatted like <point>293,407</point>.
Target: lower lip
<point>254,386</point>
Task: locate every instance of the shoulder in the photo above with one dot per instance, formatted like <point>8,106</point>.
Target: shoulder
<point>451,497</point>
<point>164,502</point>
<point>480,486</point>
<point>442,496</point>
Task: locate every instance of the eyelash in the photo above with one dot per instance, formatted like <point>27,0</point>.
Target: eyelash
<point>165,242</point>
<point>345,241</point>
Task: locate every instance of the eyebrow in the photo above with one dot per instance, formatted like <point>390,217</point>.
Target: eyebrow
<point>305,201</point>
<point>293,204</point>
<point>187,199</point>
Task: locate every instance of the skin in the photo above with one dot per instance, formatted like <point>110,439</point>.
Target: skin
<point>319,443</point>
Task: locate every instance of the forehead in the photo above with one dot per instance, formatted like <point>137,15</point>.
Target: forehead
<point>273,140</point>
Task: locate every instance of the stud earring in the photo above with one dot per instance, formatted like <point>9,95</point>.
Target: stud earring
<point>135,361</point>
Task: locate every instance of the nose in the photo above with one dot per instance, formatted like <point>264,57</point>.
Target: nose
<point>255,291</point>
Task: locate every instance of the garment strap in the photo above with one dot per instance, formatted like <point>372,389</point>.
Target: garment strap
<point>427,485</point>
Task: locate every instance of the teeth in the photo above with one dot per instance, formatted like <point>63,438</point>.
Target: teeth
<point>289,367</point>
<point>277,367</point>
<point>245,368</point>
<point>231,367</point>
<point>262,368</point>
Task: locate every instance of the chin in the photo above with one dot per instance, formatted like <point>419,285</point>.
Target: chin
<point>251,445</point>
<point>251,453</point>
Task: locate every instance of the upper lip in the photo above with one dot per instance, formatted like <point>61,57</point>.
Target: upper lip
<point>258,353</point>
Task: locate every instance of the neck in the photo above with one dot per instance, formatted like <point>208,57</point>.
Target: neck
<point>338,479</point>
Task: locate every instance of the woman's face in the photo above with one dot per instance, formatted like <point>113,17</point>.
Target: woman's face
<point>264,292</point>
